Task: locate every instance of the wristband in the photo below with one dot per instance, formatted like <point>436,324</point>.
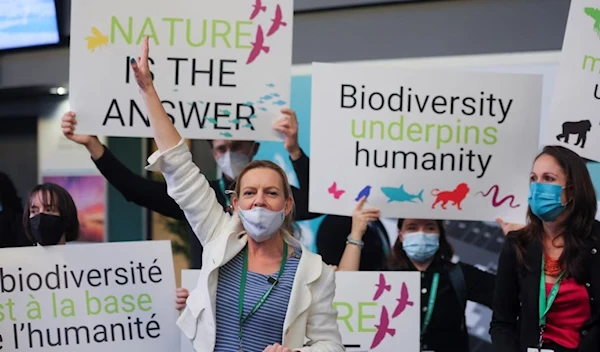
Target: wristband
<point>351,240</point>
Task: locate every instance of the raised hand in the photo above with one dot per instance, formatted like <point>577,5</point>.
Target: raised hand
<point>288,125</point>
<point>68,124</point>
<point>141,69</point>
<point>361,218</point>
<point>508,227</point>
<point>181,295</point>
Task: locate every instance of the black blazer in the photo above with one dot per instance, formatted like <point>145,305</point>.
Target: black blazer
<point>514,326</point>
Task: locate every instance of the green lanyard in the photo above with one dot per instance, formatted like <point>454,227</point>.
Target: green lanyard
<point>545,305</point>
<point>222,187</point>
<point>431,304</point>
<point>264,296</point>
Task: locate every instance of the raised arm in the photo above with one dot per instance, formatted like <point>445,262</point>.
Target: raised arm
<point>360,218</point>
<point>185,184</point>
<point>480,285</point>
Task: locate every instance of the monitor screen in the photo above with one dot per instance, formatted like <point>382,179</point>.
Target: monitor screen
<point>28,23</point>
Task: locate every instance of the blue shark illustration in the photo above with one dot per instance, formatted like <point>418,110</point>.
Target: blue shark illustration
<point>226,134</point>
<point>365,192</point>
<point>225,112</point>
<point>271,85</point>
<point>279,102</point>
<point>400,195</point>
<point>248,103</point>
<point>211,120</point>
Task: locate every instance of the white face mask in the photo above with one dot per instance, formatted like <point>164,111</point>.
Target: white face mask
<point>232,163</point>
<point>261,223</point>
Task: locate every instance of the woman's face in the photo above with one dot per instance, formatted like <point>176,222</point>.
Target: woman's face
<point>547,170</point>
<point>262,187</point>
<point>418,225</point>
<point>37,206</point>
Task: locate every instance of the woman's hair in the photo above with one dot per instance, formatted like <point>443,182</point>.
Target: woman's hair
<point>289,227</point>
<point>58,197</point>
<point>8,192</point>
<point>577,227</point>
<point>399,260</point>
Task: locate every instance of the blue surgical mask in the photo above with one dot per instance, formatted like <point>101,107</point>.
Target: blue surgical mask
<point>545,200</point>
<point>420,246</point>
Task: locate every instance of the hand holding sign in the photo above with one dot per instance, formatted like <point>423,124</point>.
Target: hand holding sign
<point>92,143</point>
<point>361,218</point>
<point>181,295</point>
<point>141,69</point>
<point>288,126</point>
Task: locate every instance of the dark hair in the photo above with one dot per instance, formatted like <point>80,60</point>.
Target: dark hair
<point>399,260</point>
<point>58,197</point>
<point>580,212</point>
<point>8,192</point>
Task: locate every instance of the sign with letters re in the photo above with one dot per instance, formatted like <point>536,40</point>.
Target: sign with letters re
<point>428,144</point>
<point>221,68</point>
<point>115,297</point>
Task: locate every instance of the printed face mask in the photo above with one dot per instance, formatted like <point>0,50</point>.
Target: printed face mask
<point>232,163</point>
<point>420,246</point>
<point>46,229</point>
<point>545,200</point>
<point>261,223</point>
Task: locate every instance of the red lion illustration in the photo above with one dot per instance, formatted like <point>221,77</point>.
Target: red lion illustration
<point>456,196</point>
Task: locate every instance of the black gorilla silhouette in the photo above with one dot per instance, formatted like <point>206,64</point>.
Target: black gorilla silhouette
<point>580,128</point>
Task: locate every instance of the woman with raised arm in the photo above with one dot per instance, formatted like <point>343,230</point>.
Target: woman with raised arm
<point>548,280</point>
<point>259,288</point>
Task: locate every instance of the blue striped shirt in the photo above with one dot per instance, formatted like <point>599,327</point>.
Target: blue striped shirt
<point>266,325</point>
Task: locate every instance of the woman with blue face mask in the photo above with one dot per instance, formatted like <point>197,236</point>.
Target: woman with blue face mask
<point>548,280</point>
<point>445,287</point>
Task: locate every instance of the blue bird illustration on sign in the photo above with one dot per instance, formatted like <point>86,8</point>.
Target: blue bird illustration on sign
<point>363,193</point>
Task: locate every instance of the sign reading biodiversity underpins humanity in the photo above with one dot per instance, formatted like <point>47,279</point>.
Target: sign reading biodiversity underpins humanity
<point>83,297</point>
<point>222,69</point>
<point>423,143</point>
<point>576,101</point>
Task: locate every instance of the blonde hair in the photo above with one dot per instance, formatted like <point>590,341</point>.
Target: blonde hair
<point>289,227</point>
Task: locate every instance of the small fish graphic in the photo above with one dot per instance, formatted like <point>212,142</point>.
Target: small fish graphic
<point>192,103</point>
<point>200,101</point>
<point>263,109</point>
<point>248,125</point>
<point>400,195</point>
<point>279,102</point>
<point>270,85</point>
<point>275,95</point>
<point>226,134</point>
<point>175,89</point>
<point>267,97</point>
<point>236,121</point>
<point>248,103</point>
<point>225,112</point>
<point>252,116</point>
<point>212,120</point>
<point>96,40</point>
<point>261,101</point>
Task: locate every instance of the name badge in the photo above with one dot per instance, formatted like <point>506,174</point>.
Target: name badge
<point>533,349</point>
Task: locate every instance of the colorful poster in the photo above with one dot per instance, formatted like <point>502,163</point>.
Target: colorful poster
<point>88,193</point>
<point>576,100</point>
<point>423,143</point>
<point>88,297</point>
<point>377,316</point>
<point>222,69</point>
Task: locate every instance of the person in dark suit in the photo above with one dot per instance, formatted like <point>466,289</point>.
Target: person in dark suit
<point>548,279</point>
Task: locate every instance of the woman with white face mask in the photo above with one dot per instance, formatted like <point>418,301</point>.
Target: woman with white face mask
<point>259,288</point>
<point>445,287</point>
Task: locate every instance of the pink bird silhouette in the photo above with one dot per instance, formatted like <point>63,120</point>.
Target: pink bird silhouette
<point>333,190</point>
<point>381,286</point>
<point>402,301</point>
<point>277,22</point>
<point>382,328</point>
<point>257,8</point>
<point>257,46</point>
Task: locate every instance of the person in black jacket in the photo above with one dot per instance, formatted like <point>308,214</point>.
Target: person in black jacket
<point>422,246</point>
<point>548,279</point>
<point>11,213</point>
<point>229,155</point>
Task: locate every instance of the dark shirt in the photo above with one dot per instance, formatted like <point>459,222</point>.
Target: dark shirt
<point>12,233</point>
<point>515,322</point>
<point>447,331</point>
<point>153,194</point>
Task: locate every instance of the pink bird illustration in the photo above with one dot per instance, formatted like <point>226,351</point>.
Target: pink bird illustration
<point>277,22</point>
<point>383,328</point>
<point>381,286</point>
<point>402,301</point>
<point>257,8</point>
<point>257,46</point>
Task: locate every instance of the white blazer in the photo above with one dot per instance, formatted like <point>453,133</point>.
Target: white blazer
<point>310,314</point>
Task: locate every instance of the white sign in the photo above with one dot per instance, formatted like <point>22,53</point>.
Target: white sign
<point>377,316</point>
<point>222,69</point>
<point>576,101</point>
<point>423,143</point>
<point>84,297</point>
